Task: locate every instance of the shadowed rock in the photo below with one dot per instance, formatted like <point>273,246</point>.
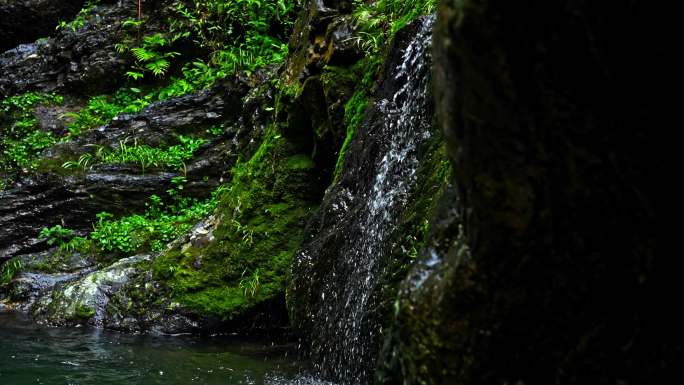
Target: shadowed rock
<point>541,267</point>
<point>82,62</point>
<point>23,21</point>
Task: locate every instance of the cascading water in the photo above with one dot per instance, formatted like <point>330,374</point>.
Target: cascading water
<point>346,331</point>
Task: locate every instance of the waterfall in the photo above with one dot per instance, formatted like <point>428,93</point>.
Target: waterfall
<point>346,332</point>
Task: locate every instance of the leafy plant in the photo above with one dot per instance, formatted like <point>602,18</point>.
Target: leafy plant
<point>20,139</point>
<point>9,270</point>
<point>56,235</point>
<point>79,21</point>
<point>101,109</point>
<point>173,157</point>
<point>251,285</point>
<point>150,55</point>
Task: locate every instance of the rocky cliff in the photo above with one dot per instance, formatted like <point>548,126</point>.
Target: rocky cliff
<point>467,197</point>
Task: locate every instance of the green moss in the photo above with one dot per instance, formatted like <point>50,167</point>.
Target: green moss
<point>263,213</point>
<point>20,139</point>
<point>83,312</point>
<point>366,71</point>
<point>299,162</point>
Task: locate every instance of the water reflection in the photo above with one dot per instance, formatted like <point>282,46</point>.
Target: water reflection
<point>30,355</point>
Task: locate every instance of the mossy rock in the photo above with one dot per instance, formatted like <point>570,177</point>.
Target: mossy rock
<point>246,253</point>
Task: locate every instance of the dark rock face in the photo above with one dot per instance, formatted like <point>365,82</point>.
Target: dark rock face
<point>23,21</point>
<point>344,275</point>
<point>541,267</point>
<point>83,62</point>
<point>73,198</point>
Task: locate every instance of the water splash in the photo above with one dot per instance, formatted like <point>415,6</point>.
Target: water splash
<point>348,296</point>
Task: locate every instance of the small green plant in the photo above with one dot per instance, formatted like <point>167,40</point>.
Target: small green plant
<point>21,141</point>
<point>75,244</point>
<point>79,21</point>
<point>9,270</point>
<point>84,312</point>
<point>56,235</point>
<point>150,56</point>
<point>83,162</point>
<point>173,157</point>
<point>251,285</point>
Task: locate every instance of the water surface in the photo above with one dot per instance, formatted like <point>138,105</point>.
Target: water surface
<point>83,356</point>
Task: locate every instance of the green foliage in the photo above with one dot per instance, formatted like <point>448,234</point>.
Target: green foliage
<point>241,35</point>
<point>173,157</point>
<point>83,312</point>
<point>378,21</point>
<point>150,56</point>
<point>264,210</point>
<point>56,235</point>
<point>160,224</point>
<point>152,230</point>
<point>251,284</point>
<point>9,270</point>
<point>23,104</point>
<point>80,19</point>
<point>21,141</point>
<point>84,162</point>
<point>101,109</point>
<point>66,239</point>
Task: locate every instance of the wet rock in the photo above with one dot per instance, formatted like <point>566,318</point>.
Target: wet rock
<point>344,271</point>
<point>541,267</point>
<point>72,198</point>
<point>85,300</point>
<point>26,288</point>
<point>55,261</point>
<point>324,34</point>
<point>23,21</point>
<point>55,118</point>
<point>84,61</point>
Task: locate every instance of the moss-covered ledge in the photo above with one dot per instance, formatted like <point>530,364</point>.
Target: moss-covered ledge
<point>241,259</point>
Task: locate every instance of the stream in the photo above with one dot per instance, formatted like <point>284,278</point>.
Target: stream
<point>83,356</point>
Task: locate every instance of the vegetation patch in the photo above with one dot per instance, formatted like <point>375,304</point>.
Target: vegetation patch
<point>9,270</point>
<point>113,238</point>
<point>172,158</point>
<point>80,20</point>
<point>21,139</point>
<point>263,212</point>
<point>101,109</point>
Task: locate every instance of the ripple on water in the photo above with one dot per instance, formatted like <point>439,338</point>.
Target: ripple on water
<point>53,356</point>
